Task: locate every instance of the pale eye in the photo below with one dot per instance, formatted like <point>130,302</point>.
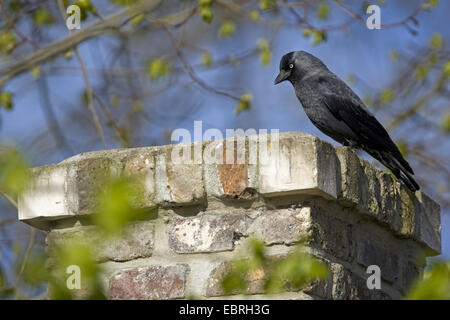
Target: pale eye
<point>291,66</point>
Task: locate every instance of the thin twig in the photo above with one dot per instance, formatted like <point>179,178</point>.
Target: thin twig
<point>90,98</point>
<point>9,198</point>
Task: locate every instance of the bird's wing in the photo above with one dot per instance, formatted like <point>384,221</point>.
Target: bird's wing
<point>345,105</point>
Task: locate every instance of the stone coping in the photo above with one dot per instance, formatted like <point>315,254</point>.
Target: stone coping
<point>267,166</point>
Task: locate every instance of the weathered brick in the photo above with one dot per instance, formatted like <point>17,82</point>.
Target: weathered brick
<point>302,164</point>
<point>257,279</point>
<point>349,286</point>
<point>371,253</point>
<point>148,283</point>
<point>428,230</point>
<point>331,234</point>
<point>45,195</point>
<point>353,192</point>
<point>214,288</point>
<point>135,241</point>
<point>139,165</point>
<point>230,173</point>
<point>206,233</point>
<point>178,183</point>
<point>411,272</point>
<point>282,225</point>
<point>87,178</point>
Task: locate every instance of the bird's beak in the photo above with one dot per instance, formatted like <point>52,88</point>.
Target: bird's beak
<point>282,76</point>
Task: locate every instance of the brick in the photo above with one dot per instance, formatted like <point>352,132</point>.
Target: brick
<point>302,164</point>
<point>139,165</point>
<point>282,226</point>
<point>214,287</point>
<point>136,241</point>
<point>317,227</point>
<point>178,183</point>
<point>428,231</point>
<point>256,281</point>
<point>206,233</point>
<point>331,234</point>
<point>45,196</point>
<point>352,173</point>
<point>149,283</point>
<point>349,286</point>
<point>87,178</point>
<point>230,173</point>
<point>411,272</point>
<point>371,253</point>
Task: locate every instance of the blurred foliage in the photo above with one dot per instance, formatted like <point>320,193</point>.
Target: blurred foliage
<point>435,284</point>
<point>6,100</point>
<point>291,271</point>
<point>244,103</point>
<point>158,68</point>
<point>56,272</point>
<point>265,52</point>
<point>116,205</point>
<point>13,170</point>
<point>227,29</point>
<point>207,59</point>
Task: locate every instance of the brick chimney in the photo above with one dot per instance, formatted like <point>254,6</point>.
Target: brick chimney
<point>282,190</point>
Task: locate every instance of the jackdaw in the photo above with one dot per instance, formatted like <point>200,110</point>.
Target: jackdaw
<point>339,113</point>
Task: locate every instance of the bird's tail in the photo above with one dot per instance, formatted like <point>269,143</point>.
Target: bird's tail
<point>399,167</point>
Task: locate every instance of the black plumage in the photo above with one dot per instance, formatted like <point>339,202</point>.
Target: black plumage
<point>339,113</point>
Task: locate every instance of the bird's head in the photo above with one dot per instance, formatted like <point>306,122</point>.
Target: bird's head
<point>296,65</point>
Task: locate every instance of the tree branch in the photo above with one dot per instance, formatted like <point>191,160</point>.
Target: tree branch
<point>108,24</point>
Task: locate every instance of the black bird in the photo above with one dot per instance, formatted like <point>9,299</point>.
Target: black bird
<point>339,113</point>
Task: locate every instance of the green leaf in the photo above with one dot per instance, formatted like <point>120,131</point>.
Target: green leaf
<point>124,3</point>
<point>13,170</point>
<point>36,72</point>
<point>434,286</point>
<point>254,15</point>
<point>402,147</point>
<point>436,41</point>
<point>68,55</point>
<point>447,68</point>
<point>445,123</point>
<point>158,68</point>
<point>117,201</point>
<point>42,17</point>
<point>434,3</point>
<point>6,100</point>
<point>86,7</point>
<point>322,11</point>
<point>386,95</point>
<point>244,103</point>
<point>271,273</point>
<point>16,5</point>
<point>206,59</point>
<point>137,20</point>
<point>265,52</point>
<point>7,41</point>
<point>421,72</point>
<point>205,10</point>
<point>307,32</point>
<point>267,4</point>
<point>227,29</point>
<point>318,36</point>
